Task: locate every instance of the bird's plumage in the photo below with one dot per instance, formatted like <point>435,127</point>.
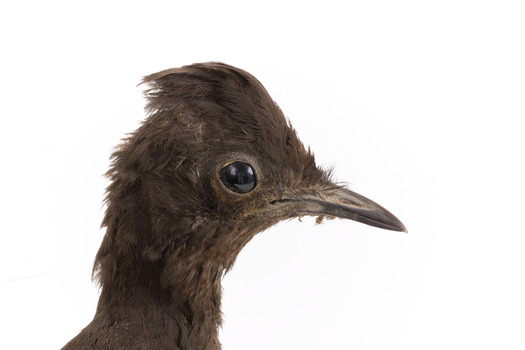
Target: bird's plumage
<point>174,226</point>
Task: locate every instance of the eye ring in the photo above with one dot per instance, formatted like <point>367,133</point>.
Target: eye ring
<point>238,177</point>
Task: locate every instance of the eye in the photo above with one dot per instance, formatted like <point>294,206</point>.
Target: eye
<point>238,177</point>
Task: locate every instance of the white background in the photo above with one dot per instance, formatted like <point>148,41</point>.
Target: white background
<point>419,105</point>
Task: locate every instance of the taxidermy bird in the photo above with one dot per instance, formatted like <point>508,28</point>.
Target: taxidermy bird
<point>215,163</point>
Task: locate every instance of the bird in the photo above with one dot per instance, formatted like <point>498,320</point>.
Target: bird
<point>214,163</point>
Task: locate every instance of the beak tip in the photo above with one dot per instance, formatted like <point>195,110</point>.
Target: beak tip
<point>399,226</point>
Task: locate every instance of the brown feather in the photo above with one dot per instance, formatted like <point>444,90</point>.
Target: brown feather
<point>171,233</point>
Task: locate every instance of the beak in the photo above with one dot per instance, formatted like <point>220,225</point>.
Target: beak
<point>343,203</point>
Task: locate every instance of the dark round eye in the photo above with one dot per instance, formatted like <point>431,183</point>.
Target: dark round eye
<point>238,177</point>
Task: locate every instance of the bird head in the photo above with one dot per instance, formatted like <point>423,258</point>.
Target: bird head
<point>215,163</point>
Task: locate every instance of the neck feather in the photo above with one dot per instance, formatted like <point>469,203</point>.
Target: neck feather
<point>171,303</point>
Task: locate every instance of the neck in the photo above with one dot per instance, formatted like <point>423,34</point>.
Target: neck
<point>158,305</point>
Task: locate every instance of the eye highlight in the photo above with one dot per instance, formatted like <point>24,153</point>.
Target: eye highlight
<point>239,177</point>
